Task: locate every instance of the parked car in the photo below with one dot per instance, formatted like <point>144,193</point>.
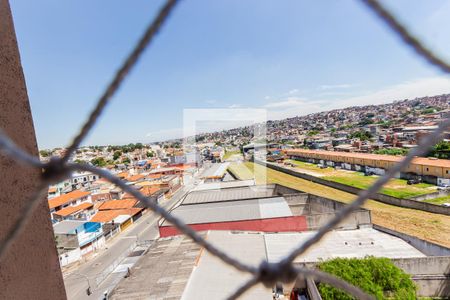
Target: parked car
<point>444,187</point>
<point>321,166</point>
<point>413,181</point>
<point>446,204</point>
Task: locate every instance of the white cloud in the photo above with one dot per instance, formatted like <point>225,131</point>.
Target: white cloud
<point>235,106</point>
<point>293,91</point>
<point>295,106</point>
<point>335,86</point>
<point>291,106</point>
<point>406,90</point>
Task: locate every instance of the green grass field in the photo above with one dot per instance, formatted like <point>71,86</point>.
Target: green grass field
<point>427,226</point>
<point>395,187</point>
<point>439,200</point>
<point>228,154</point>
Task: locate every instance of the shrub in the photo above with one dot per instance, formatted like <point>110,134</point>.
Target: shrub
<point>376,276</point>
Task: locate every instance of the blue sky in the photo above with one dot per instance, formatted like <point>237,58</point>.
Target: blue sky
<point>290,57</point>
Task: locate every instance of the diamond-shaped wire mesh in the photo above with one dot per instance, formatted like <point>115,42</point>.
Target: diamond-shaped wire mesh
<point>58,169</point>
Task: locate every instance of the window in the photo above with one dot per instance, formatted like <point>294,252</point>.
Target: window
<point>446,171</point>
<point>427,169</point>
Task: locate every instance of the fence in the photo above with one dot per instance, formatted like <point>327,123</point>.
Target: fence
<point>407,203</point>
<point>269,274</point>
<point>105,273</point>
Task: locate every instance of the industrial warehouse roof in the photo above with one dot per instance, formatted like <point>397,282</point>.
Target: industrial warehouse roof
<point>215,171</point>
<point>171,262</point>
<point>181,271</point>
<point>232,211</point>
<point>213,279</point>
<point>224,184</point>
<point>229,194</point>
<point>340,243</point>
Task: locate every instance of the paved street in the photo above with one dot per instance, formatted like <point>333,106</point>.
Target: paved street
<point>76,280</point>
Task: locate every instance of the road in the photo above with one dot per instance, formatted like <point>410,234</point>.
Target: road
<point>76,280</point>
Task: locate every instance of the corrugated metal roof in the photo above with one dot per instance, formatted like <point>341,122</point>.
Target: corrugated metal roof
<point>340,243</point>
<point>228,194</point>
<point>224,184</point>
<point>213,279</point>
<point>232,211</point>
<point>216,170</point>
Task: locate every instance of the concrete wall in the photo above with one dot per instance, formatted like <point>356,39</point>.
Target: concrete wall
<point>298,203</point>
<point>423,246</point>
<point>319,204</point>
<point>431,274</point>
<point>30,268</point>
<point>379,197</point>
<point>355,220</point>
<point>69,257</point>
<point>431,196</point>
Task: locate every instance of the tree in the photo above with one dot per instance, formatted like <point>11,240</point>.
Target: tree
<point>117,154</point>
<point>376,276</point>
<point>149,154</point>
<point>361,134</point>
<point>441,150</point>
<point>126,160</point>
<point>45,153</point>
<point>99,162</point>
<point>312,132</point>
<point>392,151</point>
<point>365,121</point>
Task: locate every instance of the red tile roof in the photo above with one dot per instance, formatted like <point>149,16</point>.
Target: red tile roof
<point>135,177</point>
<point>69,197</point>
<point>73,209</point>
<point>425,161</point>
<point>149,190</point>
<point>118,204</point>
<point>105,216</point>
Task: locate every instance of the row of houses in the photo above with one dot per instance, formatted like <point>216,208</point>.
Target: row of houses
<point>431,170</point>
<point>85,219</point>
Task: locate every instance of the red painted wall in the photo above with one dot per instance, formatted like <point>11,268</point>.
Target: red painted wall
<point>283,224</point>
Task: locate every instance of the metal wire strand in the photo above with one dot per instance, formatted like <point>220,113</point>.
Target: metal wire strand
<point>244,288</point>
<point>407,37</point>
<point>422,149</point>
<point>10,149</point>
<point>313,274</point>
<point>119,77</point>
<point>61,168</point>
<point>23,218</point>
<point>180,225</point>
